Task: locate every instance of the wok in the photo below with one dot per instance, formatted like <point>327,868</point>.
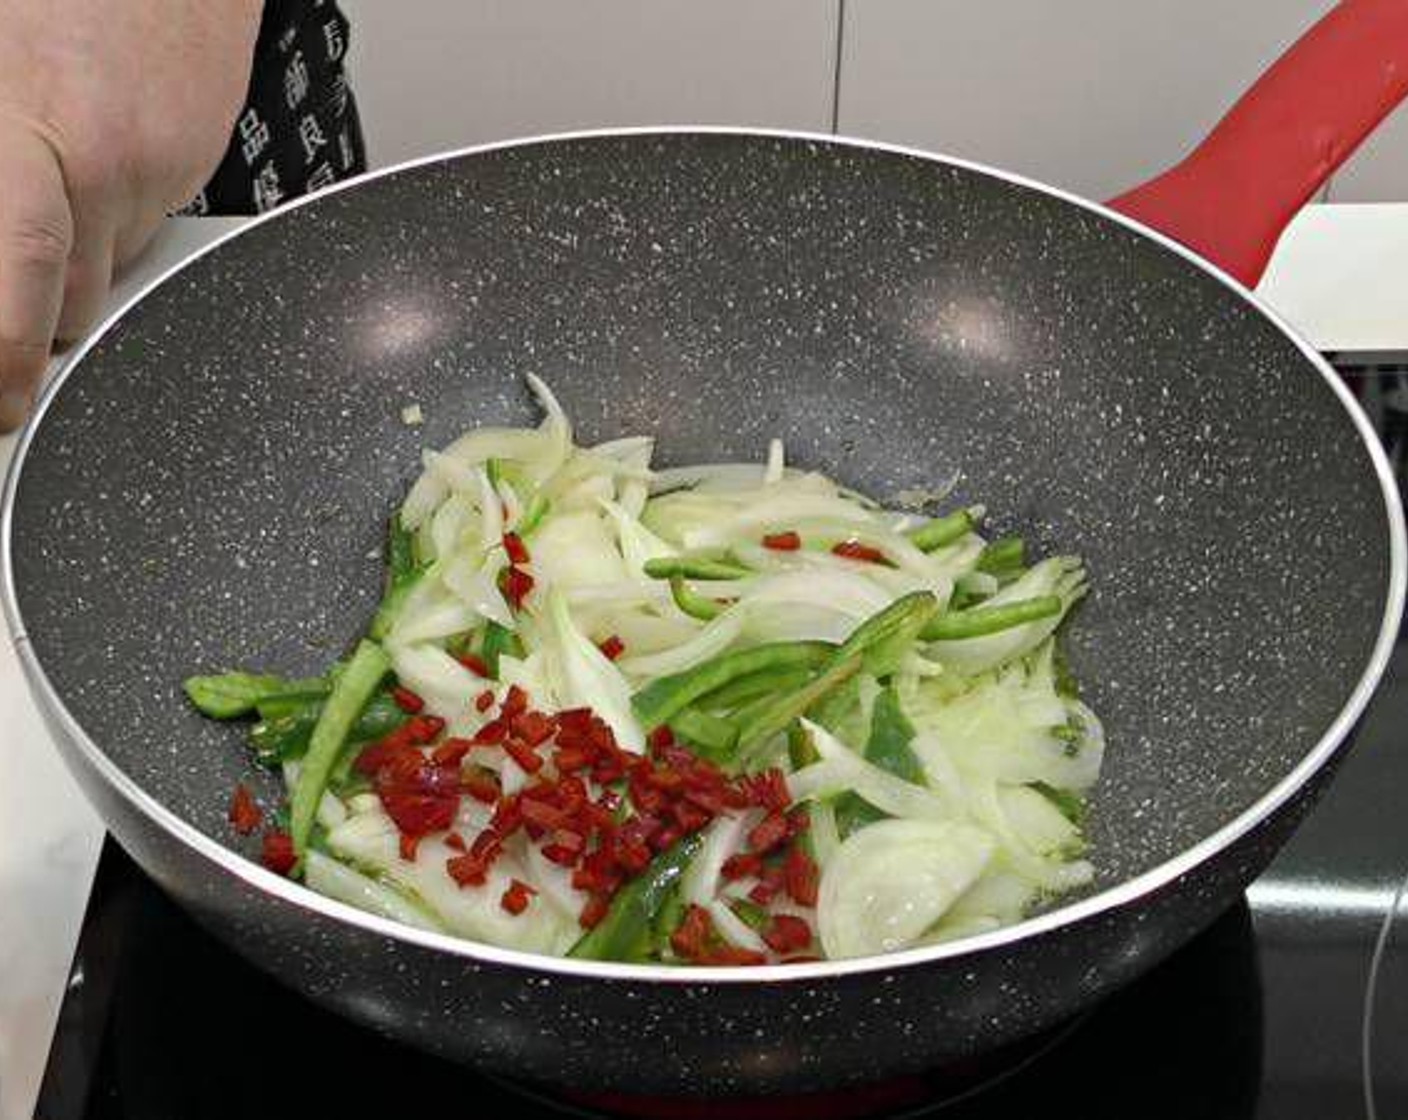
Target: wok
<point>205,485</point>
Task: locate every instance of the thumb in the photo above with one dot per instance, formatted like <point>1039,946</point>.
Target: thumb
<point>36,235</point>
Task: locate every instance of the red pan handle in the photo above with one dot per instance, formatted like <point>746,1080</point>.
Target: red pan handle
<point>1232,197</point>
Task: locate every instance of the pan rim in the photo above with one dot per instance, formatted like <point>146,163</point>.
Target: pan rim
<point>1085,909</point>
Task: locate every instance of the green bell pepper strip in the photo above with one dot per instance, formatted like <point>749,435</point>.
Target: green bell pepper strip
<point>285,737</point>
<point>228,695</point>
<point>767,682</point>
<point>402,574</point>
<point>693,567</point>
<point>715,736</point>
<point>887,747</point>
<point>943,530</point>
<point>538,509</point>
<point>663,697</point>
<point>978,622</point>
<point>755,734</point>
<point>667,920</point>
<point>354,688</point>
<point>884,637</point>
<point>1003,555</point>
<point>498,640</point>
<point>624,933</point>
<point>1071,805</point>
<point>831,712</point>
<point>692,603</point>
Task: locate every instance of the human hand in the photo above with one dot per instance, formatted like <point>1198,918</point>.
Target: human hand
<point>112,114</point>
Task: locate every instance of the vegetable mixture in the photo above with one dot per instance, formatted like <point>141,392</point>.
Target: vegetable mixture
<point>728,715</point>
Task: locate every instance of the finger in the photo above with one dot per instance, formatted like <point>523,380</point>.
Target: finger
<point>36,234</point>
<point>87,282</point>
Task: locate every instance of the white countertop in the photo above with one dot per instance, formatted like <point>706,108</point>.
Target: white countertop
<point>1337,276</point>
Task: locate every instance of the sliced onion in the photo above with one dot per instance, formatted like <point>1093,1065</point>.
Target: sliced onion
<point>891,881</point>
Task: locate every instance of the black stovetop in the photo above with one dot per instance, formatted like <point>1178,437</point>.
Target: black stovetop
<point>1293,1005</point>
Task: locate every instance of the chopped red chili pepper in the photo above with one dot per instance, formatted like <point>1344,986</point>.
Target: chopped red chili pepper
<point>788,541</point>
<point>533,728</point>
<point>245,815</point>
<point>633,856</point>
<point>515,548</point>
<point>508,816</point>
<point>787,933</point>
<point>481,785</point>
<point>468,870</point>
<point>854,550</point>
<point>407,700</point>
<point>612,647</point>
<point>418,795</point>
<point>495,731</point>
<point>455,842</point>
<point>515,900</point>
<point>451,752</point>
<point>689,817</point>
<point>474,663</point>
<point>408,846</point>
<point>661,737</point>
<point>424,729</point>
<point>278,854</point>
<point>543,815</point>
<point>527,758</point>
<point>744,865</point>
<point>768,833</point>
<point>516,584</point>
<point>767,790</point>
<point>568,761</point>
<point>691,938</point>
<point>594,910</point>
<point>515,701</point>
<point>802,877</point>
<point>484,701</point>
<point>762,893</point>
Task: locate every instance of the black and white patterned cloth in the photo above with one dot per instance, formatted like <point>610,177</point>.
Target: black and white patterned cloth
<point>299,129</point>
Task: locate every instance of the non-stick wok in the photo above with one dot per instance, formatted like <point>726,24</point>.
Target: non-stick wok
<point>206,486</point>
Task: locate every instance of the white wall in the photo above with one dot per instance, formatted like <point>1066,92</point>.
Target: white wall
<point>1091,94</point>
<point>435,74</point>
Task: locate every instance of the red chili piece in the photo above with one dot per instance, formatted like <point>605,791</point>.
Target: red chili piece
<point>854,550</point>
<point>691,938</point>
<point>788,541</point>
<point>408,846</point>
<point>515,548</point>
<point>661,738</point>
<point>245,815</point>
<point>515,584</point>
<point>697,942</point>
<point>278,854</point>
<point>787,933</point>
<point>515,900</point>
<point>451,752</point>
<point>801,876</point>
<point>594,910</point>
<point>484,701</point>
<point>769,833</point>
<point>407,700</point>
<point>481,785</point>
<point>612,647</point>
<point>474,663</point>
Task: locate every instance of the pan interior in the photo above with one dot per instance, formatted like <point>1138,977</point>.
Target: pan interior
<point>209,486</point>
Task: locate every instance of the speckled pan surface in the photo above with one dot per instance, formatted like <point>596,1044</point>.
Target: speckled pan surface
<point>209,487</point>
